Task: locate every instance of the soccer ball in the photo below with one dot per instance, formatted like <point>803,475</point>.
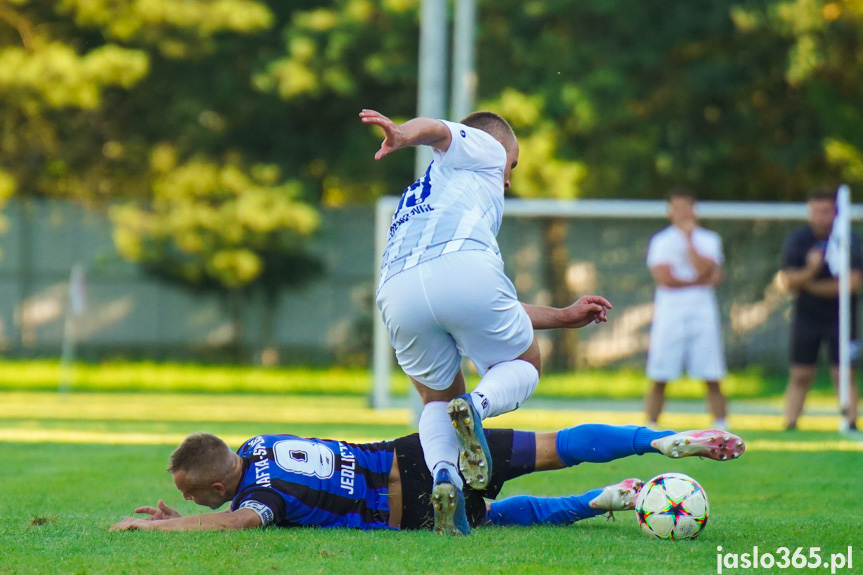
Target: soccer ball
<point>672,506</point>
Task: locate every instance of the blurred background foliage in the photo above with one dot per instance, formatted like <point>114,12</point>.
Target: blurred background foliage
<point>216,128</point>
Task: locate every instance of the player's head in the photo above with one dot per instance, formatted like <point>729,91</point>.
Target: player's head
<point>820,211</point>
<point>499,129</point>
<point>681,204</point>
<point>204,467</point>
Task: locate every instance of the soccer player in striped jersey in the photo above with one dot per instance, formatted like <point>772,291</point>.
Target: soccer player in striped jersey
<point>290,481</point>
<point>443,295</point>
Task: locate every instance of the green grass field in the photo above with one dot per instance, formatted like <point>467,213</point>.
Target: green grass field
<point>74,464</point>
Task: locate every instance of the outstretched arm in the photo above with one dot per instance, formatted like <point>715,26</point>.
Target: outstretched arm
<point>585,310</point>
<point>416,132</point>
<point>225,520</point>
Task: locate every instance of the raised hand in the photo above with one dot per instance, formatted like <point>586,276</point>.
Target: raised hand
<point>393,137</point>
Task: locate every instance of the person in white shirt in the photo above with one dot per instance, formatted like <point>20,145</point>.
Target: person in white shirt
<point>685,261</point>
<point>443,295</point>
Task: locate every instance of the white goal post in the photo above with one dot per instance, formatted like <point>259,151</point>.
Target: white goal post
<point>382,354</point>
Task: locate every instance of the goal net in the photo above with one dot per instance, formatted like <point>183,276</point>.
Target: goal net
<point>555,250</point>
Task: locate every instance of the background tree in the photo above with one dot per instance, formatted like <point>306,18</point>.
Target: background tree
<point>192,115</point>
<point>153,103</point>
<point>738,99</point>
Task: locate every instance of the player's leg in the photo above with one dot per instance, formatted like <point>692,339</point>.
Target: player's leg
<point>664,359</point>
<point>800,379</point>
<point>528,510</point>
<point>503,388</point>
<point>705,358</point>
<point>717,404</point>
<point>508,384</point>
<point>490,326</point>
<point>440,449</point>
<point>597,443</point>
<point>805,343</point>
<point>436,435</point>
<point>601,443</point>
<point>430,357</point>
<point>654,402</point>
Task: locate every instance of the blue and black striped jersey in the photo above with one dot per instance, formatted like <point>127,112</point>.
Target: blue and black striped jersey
<point>292,481</point>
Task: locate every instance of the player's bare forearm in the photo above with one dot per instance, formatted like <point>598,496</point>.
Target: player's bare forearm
<point>828,288</point>
<point>797,278</point>
<point>713,278</point>
<point>824,288</point>
<point>663,277</point>
<point>416,132</point>
<point>585,310</point>
<point>542,317</point>
<point>225,521</point>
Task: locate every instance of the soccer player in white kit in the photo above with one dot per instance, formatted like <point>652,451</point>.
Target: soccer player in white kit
<point>685,261</point>
<point>443,295</point>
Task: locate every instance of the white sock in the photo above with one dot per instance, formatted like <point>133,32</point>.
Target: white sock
<point>438,439</point>
<point>504,387</point>
<point>453,473</point>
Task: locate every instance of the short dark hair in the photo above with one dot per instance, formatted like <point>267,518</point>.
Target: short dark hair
<point>203,457</point>
<point>493,124</point>
<point>681,192</point>
<point>821,194</point>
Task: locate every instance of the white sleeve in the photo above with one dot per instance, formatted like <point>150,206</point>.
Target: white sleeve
<point>712,247</point>
<point>657,251</point>
<point>471,149</point>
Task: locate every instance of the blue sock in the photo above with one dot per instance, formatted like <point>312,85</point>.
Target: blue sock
<point>527,510</point>
<point>600,443</point>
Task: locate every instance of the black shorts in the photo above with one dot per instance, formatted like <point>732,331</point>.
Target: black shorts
<point>416,479</point>
<point>807,337</point>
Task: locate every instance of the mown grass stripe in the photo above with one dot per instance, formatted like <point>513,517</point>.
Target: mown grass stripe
<point>63,436</point>
<point>324,410</point>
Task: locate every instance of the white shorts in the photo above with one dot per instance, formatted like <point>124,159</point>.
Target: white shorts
<point>686,337</point>
<point>459,304</point>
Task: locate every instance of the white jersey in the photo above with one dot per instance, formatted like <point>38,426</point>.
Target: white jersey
<point>669,247</point>
<point>686,331</point>
<point>456,205</point>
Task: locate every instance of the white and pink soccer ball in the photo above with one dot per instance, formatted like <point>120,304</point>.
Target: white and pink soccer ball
<point>672,506</point>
